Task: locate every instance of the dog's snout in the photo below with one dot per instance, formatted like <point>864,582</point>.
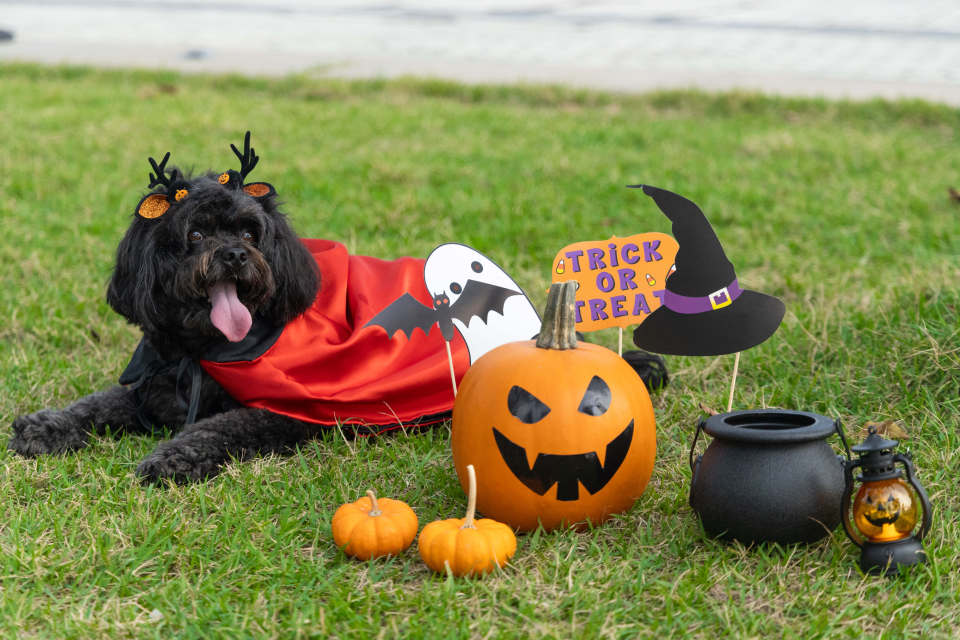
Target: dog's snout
<point>234,257</point>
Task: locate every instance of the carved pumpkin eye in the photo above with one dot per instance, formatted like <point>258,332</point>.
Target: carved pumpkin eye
<point>525,406</point>
<point>596,399</point>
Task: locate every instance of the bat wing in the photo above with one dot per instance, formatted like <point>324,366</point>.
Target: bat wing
<point>405,314</point>
<point>479,299</point>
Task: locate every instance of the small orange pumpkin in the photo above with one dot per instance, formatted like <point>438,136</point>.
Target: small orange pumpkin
<point>467,546</point>
<point>560,432</point>
<point>371,527</point>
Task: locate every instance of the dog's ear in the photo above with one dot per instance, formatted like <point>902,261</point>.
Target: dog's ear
<point>294,272</point>
<point>137,276</point>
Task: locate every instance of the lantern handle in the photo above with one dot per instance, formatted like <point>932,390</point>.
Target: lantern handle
<point>921,493</point>
<point>843,438</point>
<point>848,467</point>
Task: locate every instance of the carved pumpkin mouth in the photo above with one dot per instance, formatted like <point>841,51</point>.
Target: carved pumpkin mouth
<point>567,471</point>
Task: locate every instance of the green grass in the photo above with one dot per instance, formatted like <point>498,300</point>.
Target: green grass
<point>840,209</point>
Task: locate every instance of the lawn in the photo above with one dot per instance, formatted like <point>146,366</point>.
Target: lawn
<point>840,209</point>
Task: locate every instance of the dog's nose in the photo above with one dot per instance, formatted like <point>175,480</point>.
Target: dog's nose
<point>235,257</point>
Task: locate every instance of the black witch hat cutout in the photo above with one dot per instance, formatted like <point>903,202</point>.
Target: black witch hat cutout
<point>704,311</point>
<point>248,160</point>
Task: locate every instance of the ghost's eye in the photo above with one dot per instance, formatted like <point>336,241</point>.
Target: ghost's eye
<point>195,236</point>
<point>455,287</point>
<point>596,400</point>
<point>476,266</point>
<point>525,406</point>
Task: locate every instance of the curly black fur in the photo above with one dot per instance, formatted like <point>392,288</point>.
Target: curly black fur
<point>164,269</point>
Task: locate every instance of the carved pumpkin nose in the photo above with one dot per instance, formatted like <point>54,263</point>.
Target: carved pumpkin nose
<point>234,257</point>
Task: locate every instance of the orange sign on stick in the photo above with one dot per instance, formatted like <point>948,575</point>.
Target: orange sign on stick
<point>620,280</point>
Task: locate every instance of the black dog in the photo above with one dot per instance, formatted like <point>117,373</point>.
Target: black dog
<point>206,261</point>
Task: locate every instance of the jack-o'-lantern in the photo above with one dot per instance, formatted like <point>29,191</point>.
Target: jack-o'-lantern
<point>884,511</point>
<point>560,433</point>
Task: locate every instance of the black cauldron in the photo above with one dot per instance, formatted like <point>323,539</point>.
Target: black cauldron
<point>768,476</point>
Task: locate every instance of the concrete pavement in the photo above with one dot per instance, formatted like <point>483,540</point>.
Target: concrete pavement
<point>856,49</point>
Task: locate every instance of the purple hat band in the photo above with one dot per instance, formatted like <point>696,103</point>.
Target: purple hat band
<point>719,299</point>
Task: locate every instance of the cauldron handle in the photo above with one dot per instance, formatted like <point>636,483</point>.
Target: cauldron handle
<point>694,464</point>
<point>693,445</point>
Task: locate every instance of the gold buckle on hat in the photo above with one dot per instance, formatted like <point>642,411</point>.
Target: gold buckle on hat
<point>726,299</point>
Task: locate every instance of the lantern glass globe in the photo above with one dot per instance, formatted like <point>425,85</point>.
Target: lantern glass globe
<point>885,510</point>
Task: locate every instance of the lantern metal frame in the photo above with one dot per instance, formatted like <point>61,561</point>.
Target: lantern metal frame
<point>878,462</point>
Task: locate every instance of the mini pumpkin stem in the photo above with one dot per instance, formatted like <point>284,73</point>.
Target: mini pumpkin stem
<point>375,510</point>
<point>471,498</point>
<point>558,330</point>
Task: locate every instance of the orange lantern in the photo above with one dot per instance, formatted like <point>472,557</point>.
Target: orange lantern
<point>884,511</point>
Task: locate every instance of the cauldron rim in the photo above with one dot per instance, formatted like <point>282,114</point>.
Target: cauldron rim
<point>769,426</point>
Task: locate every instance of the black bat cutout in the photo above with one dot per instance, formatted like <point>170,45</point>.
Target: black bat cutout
<point>406,313</point>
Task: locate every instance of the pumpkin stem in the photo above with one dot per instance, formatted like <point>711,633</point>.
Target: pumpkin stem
<point>558,330</point>
<point>375,511</point>
<point>471,498</point>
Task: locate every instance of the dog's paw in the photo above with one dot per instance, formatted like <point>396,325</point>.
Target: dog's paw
<point>176,462</point>
<point>47,432</point>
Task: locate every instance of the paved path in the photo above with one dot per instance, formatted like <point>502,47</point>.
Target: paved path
<point>855,48</point>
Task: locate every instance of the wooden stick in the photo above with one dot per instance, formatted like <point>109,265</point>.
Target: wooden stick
<point>453,376</point>
<point>620,343</point>
<point>733,381</point>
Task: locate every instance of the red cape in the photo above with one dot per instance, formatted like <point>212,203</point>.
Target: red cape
<point>327,367</point>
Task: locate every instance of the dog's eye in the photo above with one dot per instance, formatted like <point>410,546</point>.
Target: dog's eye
<point>195,236</point>
<point>246,236</point>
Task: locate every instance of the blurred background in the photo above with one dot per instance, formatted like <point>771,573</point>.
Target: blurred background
<point>839,48</point>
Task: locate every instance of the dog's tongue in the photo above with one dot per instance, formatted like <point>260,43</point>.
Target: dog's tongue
<point>228,313</point>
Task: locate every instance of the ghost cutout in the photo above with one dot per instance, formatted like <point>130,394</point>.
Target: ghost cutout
<point>447,270</point>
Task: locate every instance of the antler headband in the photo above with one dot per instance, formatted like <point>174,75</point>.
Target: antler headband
<point>156,204</point>
<point>248,160</point>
